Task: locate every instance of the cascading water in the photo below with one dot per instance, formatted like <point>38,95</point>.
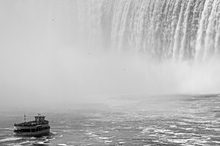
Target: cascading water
<point>164,29</point>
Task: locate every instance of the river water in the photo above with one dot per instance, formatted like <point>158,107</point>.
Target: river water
<point>177,120</point>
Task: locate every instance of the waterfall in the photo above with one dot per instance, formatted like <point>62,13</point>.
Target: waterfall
<point>163,29</point>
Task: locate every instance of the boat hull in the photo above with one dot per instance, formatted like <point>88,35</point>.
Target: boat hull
<point>45,132</point>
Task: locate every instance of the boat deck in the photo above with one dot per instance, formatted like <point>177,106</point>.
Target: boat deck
<point>31,123</point>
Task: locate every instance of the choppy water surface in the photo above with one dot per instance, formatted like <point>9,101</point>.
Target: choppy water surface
<point>179,120</point>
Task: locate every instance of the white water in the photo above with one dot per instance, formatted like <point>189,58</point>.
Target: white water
<point>178,29</point>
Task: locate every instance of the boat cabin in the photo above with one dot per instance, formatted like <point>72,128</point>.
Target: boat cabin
<point>39,118</point>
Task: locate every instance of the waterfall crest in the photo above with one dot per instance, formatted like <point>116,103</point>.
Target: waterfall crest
<point>166,29</point>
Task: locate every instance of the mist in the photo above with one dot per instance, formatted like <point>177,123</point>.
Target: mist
<point>47,62</point>
<point>65,77</point>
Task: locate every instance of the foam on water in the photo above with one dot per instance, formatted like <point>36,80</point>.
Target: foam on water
<point>10,139</point>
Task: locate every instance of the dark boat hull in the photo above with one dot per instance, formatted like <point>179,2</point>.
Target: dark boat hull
<point>45,132</point>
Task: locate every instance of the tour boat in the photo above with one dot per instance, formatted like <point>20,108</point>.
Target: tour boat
<point>37,128</point>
